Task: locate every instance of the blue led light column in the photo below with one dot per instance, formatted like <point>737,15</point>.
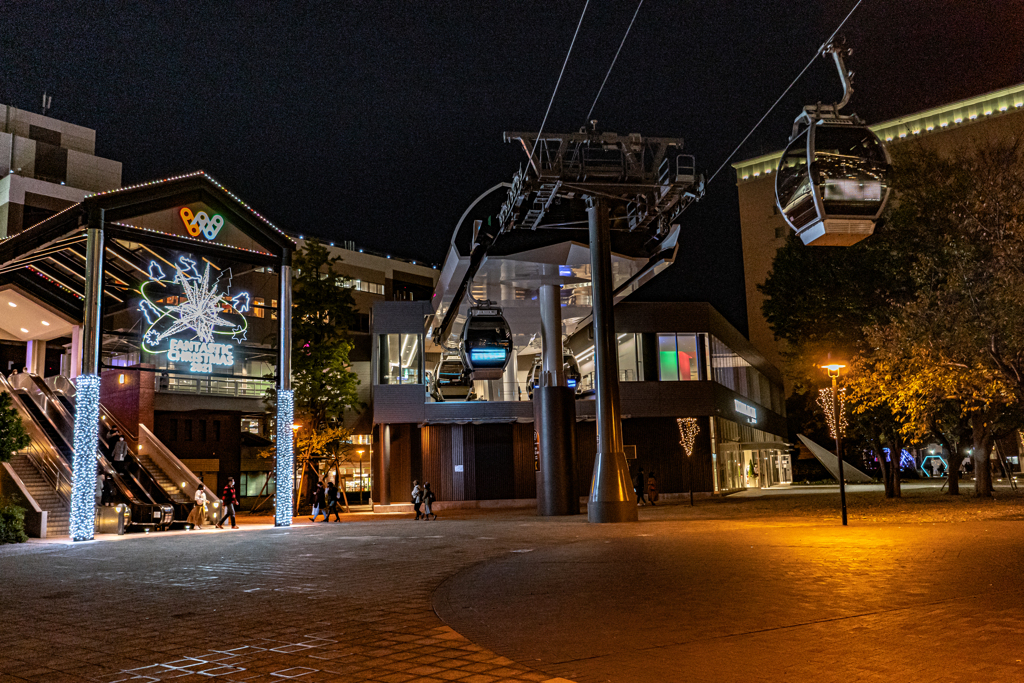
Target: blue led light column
<point>285,401</point>
<point>87,397</point>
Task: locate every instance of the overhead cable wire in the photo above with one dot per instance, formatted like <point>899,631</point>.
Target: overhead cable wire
<point>785,92</point>
<point>557,83</point>
<point>626,35</point>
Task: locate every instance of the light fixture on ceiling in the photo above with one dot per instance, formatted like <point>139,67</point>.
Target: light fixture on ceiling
<point>12,304</point>
<point>24,330</point>
<point>45,323</point>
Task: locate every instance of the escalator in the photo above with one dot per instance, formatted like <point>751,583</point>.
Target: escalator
<point>128,482</point>
<point>162,474</point>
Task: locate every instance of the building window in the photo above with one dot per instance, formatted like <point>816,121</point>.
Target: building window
<point>216,430</point>
<point>202,430</point>
<point>174,430</point>
<point>252,484</point>
<point>257,308</point>
<point>677,358</point>
<point>188,430</point>
<point>400,359</point>
<point>630,369</point>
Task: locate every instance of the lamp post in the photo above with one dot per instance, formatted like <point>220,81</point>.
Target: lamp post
<point>833,368</point>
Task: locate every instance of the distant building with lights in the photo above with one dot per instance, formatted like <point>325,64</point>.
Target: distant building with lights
<point>991,116</point>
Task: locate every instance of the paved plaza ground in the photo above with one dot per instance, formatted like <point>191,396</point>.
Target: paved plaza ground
<point>759,587</point>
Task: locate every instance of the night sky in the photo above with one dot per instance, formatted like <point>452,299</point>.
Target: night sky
<point>380,121</point>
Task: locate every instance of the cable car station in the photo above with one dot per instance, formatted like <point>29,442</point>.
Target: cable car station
<point>528,380</point>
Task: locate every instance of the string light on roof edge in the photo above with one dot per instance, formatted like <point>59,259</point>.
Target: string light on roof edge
<point>825,403</point>
<point>285,457</point>
<point>689,428</point>
<point>83,466</point>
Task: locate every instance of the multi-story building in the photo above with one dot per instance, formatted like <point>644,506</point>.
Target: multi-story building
<point>46,165</point>
<point>991,116</point>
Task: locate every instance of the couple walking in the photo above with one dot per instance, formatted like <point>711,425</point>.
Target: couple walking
<point>228,497</point>
<point>326,501</point>
<point>422,495</point>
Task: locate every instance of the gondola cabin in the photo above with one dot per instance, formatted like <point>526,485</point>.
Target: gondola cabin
<point>451,380</point>
<point>832,183</point>
<point>573,376</point>
<point>486,343</point>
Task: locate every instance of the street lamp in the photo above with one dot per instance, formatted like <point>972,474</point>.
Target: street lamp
<point>833,367</point>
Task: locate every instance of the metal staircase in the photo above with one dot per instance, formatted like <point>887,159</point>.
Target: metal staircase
<point>58,516</point>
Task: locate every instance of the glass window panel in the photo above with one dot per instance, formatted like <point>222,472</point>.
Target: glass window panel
<point>668,360</point>
<point>686,351</point>
<point>629,368</point>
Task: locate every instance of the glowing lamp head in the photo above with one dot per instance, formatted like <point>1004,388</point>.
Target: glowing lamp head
<point>832,366</point>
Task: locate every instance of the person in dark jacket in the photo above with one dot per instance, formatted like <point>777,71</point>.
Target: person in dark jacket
<point>640,486</point>
<point>332,497</point>
<point>427,497</point>
<point>319,501</point>
<point>229,498</point>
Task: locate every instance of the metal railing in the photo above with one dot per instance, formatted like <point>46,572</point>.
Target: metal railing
<point>217,386</point>
<point>176,470</point>
<point>41,451</point>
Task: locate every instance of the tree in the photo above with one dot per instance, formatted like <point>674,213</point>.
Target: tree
<point>323,384</point>
<point>965,323</point>
<point>13,436</point>
<point>321,317</point>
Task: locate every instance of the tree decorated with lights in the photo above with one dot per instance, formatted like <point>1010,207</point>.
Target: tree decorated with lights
<point>13,436</point>
<point>689,428</point>
<point>323,383</point>
<point>825,403</point>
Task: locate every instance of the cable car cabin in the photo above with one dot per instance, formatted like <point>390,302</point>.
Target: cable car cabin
<point>451,380</point>
<point>833,183</point>
<point>573,376</point>
<point>486,344</point>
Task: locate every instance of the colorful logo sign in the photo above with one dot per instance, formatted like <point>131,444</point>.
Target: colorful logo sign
<point>198,311</point>
<point>201,224</point>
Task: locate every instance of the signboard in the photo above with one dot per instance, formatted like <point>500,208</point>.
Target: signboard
<point>192,316</point>
<point>746,410</point>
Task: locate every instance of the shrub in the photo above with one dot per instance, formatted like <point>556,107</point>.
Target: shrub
<point>12,523</point>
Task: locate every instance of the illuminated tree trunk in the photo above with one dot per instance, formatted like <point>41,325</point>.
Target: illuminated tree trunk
<point>876,446</point>
<point>982,443</point>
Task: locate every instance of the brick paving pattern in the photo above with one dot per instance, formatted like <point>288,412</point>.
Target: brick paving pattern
<point>745,590</point>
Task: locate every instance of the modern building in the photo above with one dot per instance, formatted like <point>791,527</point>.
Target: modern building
<point>991,116</point>
<point>46,165</point>
<point>680,366</point>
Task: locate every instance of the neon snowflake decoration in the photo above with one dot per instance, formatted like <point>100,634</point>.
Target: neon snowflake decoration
<point>200,309</point>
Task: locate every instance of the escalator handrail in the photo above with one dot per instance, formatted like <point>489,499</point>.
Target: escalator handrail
<point>42,452</point>
<point>165,459</point>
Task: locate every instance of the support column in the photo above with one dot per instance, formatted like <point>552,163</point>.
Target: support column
<point>35,356</point>
<point>554,414</point>
<point>611,491</point>
<point>285,472</point>
<point>385,464</point>
<point>87,398</point>
<point>75,368</point>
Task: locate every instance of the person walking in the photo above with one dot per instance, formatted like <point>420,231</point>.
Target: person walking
<point>319,501</point>
<point>427,497</point>
<point>332,501</point>
<point>416,500</point>
<point>120,450</point>
<point>652,488</point>
<point>198,513</point>
<point>640,486</point>
<point>229,497</point>
<point>100,479</point>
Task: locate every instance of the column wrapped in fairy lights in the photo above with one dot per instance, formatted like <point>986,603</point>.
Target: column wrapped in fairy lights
<point>285,399</point>
<point>285,457</point>
<point>83,467</point>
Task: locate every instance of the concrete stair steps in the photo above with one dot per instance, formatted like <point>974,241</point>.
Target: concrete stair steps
<point>58,518</point>
<point>172,489</point>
